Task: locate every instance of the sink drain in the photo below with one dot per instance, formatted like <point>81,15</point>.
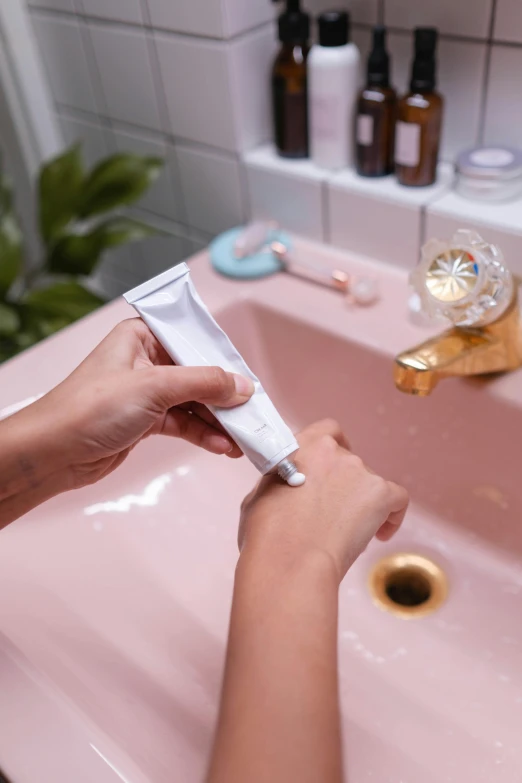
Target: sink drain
<point>408,585</point>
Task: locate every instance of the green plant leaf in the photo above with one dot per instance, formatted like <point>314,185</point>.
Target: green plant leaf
<point>119,180</point>
<point>66,300</point>
<point>59,189</point>
<point>11,251</point>
<point>74,254</point>
<point>9,320</point>
<point>25,339</point>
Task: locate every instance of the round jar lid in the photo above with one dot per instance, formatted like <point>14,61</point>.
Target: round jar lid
<point>492,163</point>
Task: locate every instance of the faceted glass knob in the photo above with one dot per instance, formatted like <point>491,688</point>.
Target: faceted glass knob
<point>465,281</point>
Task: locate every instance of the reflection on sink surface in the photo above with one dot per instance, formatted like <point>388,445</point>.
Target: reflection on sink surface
<point>120,593</point>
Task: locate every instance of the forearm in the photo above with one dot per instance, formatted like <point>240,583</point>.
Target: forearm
<point>279,718</point>
<point>28,474</point>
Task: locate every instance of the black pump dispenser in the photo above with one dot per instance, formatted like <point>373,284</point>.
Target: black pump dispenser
<point>378,60</point>
<point>294,24</point>
<point>423,76</point>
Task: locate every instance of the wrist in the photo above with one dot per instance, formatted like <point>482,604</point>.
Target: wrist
<point>279,567</point>
<point>27,461</point>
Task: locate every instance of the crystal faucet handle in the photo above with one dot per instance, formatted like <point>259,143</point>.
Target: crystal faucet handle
<point>465,280</point>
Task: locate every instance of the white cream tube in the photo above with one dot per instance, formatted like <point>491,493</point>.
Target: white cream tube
<point>172,308</point>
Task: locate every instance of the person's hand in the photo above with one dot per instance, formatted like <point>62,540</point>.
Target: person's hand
<point>125,390</point>
<point>337,512</point>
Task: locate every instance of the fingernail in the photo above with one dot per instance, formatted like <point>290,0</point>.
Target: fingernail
<point>244,386</point>
<point>218,444</point>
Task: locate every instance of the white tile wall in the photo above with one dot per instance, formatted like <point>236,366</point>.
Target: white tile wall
<point>195,74</point>
<point>508,21</point>
<point>207,103</point>
<point>379,218</point>
<point>165,196</point>
<point>56,5</point>
<point>504,98</point>
<point>291,192</point>
<point>198,17</point>
<point>64,58</point>
<point>241,15</point>
<point>211,186</point>
<point>159,253</point>
<point>214,18</point>
<point>456,17</point>
<point>127,11</point>
<point>125,71</point>
<point>249,66</point>
<point>95,139</point>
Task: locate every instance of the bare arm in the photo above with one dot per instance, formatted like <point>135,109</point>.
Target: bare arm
<point>124,391</point>
<point>279,718</point>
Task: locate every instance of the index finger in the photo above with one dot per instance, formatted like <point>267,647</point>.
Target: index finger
<point>329,427</point>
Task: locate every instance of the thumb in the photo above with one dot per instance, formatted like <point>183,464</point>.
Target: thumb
<point>167,386</point>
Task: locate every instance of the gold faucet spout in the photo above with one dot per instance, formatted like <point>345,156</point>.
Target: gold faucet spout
<point>462,352</point>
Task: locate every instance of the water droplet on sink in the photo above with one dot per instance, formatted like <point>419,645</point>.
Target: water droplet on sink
<point>499,744</point>
<point>182,470</point>
<point>381,410</point>
<point>97,526</point>
<point>413,430</point>
<point>445,435</point>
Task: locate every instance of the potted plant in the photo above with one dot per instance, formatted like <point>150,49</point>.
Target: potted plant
<point>79,219</point>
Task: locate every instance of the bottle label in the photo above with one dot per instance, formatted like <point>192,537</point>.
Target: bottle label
<point>407,144</point>
<point>365,130</point>
<point>326,117</point>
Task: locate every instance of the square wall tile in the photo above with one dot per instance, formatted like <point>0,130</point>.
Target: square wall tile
<point>249,64</point>
<point>93,138</point>
<point>470,18</point>
<point>291,192</point>
<point>461,68</point>
<point>125,70</point>
<point>242,15</point>
<point>117,272</point>
<point>63,54</point>
<point>212,189</point>
<point>55,5</point>
<point>198,17</point>
<point>504,102</point>
<point>164,197</point>
<point>397,238</point>
<point>156,254</point>
<point>508,21</point>
<point>117,10</point>
<point>196,78</point>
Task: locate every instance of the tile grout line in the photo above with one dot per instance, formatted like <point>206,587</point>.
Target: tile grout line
<point>126,25</point>
<point>487,73</point>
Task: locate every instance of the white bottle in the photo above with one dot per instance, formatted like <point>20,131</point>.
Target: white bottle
<point>333,85</point>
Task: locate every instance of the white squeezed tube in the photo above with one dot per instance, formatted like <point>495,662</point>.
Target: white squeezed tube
<point>173,310</point>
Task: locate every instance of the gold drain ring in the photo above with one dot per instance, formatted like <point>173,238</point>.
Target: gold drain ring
<point>408,585</point>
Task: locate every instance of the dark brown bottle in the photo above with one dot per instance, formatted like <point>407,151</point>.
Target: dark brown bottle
<point>419,117</point>
<point>289,83</point>
<point>376,107</point>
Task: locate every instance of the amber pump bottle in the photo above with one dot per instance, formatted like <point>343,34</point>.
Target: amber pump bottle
<point>419,117</point>
<point>289,83</point>
<point>376,107</point>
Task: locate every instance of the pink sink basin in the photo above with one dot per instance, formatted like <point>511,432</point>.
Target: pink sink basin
<point>119,594</point>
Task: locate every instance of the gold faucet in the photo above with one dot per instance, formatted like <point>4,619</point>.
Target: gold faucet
<point>462,352</point>
<point>469,285</point>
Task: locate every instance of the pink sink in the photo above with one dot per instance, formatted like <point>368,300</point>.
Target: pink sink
<point>118,595</point>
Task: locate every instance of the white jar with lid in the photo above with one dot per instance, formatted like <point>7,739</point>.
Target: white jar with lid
<point>489,174</point>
